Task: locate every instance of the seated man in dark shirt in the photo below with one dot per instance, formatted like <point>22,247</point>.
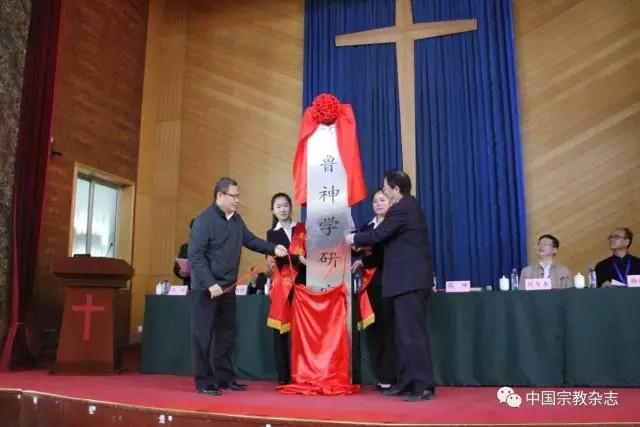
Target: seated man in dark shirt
<point>183,253</point>
<point>622,264</point>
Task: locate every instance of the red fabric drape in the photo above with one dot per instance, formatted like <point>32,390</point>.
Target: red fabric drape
<point>349,153</point>
<point>32,159</point>
<point>319,353</point>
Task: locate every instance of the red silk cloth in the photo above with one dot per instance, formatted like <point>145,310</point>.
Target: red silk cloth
<point>349,153</point>
<point>319,343</point>
<point>282,283</point>
<point>280,310</point>
<point>367,316</point>
<point>298,245</point>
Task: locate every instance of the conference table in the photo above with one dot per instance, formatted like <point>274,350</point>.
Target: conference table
<point>572,337</point>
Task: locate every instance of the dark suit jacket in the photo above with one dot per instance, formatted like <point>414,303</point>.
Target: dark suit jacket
<point>279,237</point>
<point>407,255</point>
<point>215,245</point>
<point>374,259</point>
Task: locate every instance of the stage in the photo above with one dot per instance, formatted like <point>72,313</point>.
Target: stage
<point>36,398</point>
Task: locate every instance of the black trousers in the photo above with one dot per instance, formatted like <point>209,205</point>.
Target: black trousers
<point>415,370</point>
<point>213,323</point>
<point>380,337</point>
<point>282,354</point>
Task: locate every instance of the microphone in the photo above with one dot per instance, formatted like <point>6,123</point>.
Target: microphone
<point>109,249</point>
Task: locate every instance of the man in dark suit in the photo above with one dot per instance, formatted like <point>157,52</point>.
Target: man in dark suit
<point>216,240</point>
<point>407,279</point>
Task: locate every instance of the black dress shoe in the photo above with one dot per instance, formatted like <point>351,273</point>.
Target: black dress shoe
<point>233,385</point>
<point>395,391</point>
<point>417,397</point>
<point>210,390</point>
<point>383,387</point>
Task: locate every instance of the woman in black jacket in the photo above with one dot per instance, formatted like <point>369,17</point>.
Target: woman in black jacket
<point>379,335</point>
<point>283,230</point>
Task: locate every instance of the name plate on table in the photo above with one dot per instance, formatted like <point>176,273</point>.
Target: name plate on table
<point>537,284</point>
<point>241,289</point>
<point>633,281</point>
<point>178,290</point>
<point>458,286</point>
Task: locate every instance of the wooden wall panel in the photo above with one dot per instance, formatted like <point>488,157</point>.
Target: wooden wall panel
<point>160,140</point>
<point>96,122</point>
<point>223,97</point>
<point>242,105</point>
<point>578,65</point>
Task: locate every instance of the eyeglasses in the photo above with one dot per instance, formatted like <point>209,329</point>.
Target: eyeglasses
<point>233,196</point>
<point>615,237</point>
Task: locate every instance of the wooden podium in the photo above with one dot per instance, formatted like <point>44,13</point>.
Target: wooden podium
<point>86,344</point>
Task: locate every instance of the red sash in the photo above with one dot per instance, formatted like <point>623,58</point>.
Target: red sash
<point>282,283</point>
<point>367,316</point>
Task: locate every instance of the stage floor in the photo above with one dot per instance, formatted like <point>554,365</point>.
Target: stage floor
<point>173,395</point>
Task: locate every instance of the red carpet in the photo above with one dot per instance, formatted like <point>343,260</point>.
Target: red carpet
<point>453,405</point>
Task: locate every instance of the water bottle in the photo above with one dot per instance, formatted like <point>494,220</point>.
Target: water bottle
<point>504,283</point>
<point>515,279</point>
<point>267,287</point>
<point>159,288</point>
<point>165,286</point>
<point>593,281</point>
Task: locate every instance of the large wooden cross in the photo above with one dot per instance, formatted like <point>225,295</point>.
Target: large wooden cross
<point>403,34</point>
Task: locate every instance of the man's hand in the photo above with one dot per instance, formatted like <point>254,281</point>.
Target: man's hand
<point>215,291</point>
<point>281,251</point>
<point>302,260</point>
<point>357,264</point>
<point>349,239</point>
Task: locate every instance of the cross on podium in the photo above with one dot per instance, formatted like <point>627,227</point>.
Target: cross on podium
<point>404,34</point>
<point>88,308</point>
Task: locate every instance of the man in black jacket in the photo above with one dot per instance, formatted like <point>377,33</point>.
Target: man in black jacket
<point>407,279</point>
<point>217,238</point>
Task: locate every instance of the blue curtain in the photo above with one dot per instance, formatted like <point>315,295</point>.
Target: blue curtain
<point>469,162</point>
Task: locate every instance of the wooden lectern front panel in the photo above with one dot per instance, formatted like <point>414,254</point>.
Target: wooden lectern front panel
<point>86,341</point>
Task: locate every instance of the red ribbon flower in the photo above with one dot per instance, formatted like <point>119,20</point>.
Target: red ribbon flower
<point>325,108</point>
